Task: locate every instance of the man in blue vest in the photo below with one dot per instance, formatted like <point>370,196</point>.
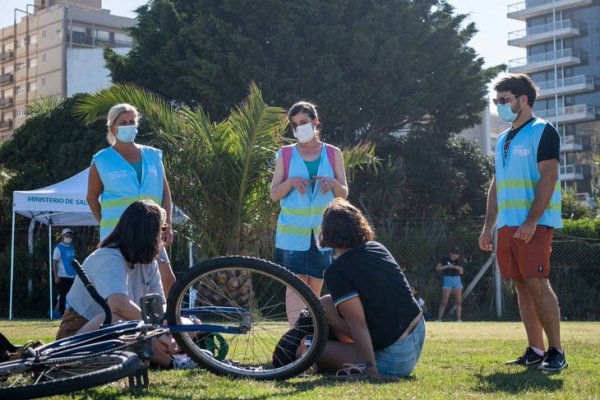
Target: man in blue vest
<point>64,273</point>
<point>524,204</point>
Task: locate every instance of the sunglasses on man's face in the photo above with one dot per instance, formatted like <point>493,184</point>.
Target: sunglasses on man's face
<point>505,99</point>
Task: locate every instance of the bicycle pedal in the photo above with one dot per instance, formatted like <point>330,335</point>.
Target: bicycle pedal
<point>139,379</point>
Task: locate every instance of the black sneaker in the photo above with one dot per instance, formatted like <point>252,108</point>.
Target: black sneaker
<point>554,360</point>
<point>530,357</point>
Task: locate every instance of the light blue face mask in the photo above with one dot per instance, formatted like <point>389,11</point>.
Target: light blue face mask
<point>506,113</point>
<point>126,133</point>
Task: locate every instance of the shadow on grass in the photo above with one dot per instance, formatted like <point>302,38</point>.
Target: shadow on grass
<point>517,382</point>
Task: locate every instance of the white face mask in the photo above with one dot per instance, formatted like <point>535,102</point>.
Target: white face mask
<point>304,133</point>
<point>67,240</point>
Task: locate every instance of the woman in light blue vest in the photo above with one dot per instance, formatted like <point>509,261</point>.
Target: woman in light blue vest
<point>305,181</point>
<point>126,172</point>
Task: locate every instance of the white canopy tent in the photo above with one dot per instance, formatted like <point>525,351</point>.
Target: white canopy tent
<point>63,203</point>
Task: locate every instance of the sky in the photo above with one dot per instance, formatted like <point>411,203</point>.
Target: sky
<point>489,17</point>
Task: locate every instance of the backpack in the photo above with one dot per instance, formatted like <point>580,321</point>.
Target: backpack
<point>286,153</point>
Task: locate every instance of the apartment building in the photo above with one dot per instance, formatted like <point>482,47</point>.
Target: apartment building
<point>562,42</point>
<point>54,48</point>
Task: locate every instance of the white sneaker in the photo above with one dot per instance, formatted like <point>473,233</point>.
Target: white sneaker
<point>182,361</point>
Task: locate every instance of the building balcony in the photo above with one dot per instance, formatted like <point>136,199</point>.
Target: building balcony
<point>6,125</point>
<point>571,143</point>
<point>6,55</point>
<point>533,8</point>
<point>571,172</point>
<point>6,78</point>
<point>540,62</point>
<point>577,113</point>
<point>6,102</point>
<point>544,33</point>
<point>570,85</point>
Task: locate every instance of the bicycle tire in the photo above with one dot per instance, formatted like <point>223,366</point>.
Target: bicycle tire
<point>28,379</point>
<point>250,355</point>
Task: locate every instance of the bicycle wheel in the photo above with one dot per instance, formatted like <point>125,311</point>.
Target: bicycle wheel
<point>243,299</point>
<point>28,379</point>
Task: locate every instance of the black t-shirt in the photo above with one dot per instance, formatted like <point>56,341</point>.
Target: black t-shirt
<point>371,273</point>
<point>451,271</point>
<point>549,146</point>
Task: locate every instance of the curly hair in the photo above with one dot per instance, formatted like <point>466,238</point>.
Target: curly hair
<point>344,226</point>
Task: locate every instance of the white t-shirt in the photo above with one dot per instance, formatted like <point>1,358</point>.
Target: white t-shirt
<point>108,271</point>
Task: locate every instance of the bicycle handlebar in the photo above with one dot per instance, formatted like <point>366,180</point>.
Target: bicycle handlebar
<point>93,292</point>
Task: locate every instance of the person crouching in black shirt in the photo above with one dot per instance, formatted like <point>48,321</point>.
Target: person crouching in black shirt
<point>371,309</point>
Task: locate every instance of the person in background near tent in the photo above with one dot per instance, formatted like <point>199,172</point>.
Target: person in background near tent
<point>64,274</point>
<point>524,205</point>
<point>308,175</point>
<point>126,172</point>
<point>453,268</point>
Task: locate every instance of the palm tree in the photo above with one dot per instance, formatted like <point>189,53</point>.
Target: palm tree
<point>219,173</point>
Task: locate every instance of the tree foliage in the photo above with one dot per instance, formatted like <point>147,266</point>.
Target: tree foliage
<point>51,146</point>
<point>373,67</point>
<point>426,176</point>
<point>219,172</point>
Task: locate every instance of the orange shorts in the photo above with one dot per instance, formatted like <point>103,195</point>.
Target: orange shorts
<point>518,260</point>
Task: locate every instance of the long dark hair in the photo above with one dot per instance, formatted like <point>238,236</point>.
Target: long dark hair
<point>138,232</point>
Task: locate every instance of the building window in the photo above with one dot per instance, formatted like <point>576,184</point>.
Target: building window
<point>121,38</point>
<point>44,57</point>
<point>77,34</point>
<point>102,36</point>
<point>43,34</point>
<point>21,112</point>
<point>20,89</point>
<point>43,81</point>
<point>31,86</point>
<point>20,65</point>
<point>32,62</point>
<point>33,39</point>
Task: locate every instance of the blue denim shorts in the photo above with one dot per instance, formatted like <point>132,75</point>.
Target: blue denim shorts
<point>400,358</point>
<point>452,282</point>
<point>311,262</point>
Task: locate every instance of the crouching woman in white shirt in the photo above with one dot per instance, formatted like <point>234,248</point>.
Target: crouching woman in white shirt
<point>123,269</point>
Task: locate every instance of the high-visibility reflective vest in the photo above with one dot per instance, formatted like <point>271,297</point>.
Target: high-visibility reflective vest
<point>121,185</point>
<point>517,176</point>
<point>301,214</point>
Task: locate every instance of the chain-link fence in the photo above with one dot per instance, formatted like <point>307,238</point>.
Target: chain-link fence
<point>417,245</point>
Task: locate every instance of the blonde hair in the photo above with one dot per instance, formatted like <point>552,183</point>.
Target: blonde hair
<point>112,116</point>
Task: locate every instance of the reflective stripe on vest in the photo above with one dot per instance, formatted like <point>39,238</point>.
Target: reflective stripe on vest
<point>121,186</point>
<point>517,177</point>
<point>302,214</point>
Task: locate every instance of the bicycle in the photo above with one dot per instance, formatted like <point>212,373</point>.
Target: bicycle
<point>227,329</point>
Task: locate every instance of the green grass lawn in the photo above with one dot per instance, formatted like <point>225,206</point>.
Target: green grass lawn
<point>459,361</point>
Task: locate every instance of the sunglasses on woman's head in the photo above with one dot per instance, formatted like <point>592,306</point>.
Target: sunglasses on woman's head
<point>506,99</point>
<point>164,227</point>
